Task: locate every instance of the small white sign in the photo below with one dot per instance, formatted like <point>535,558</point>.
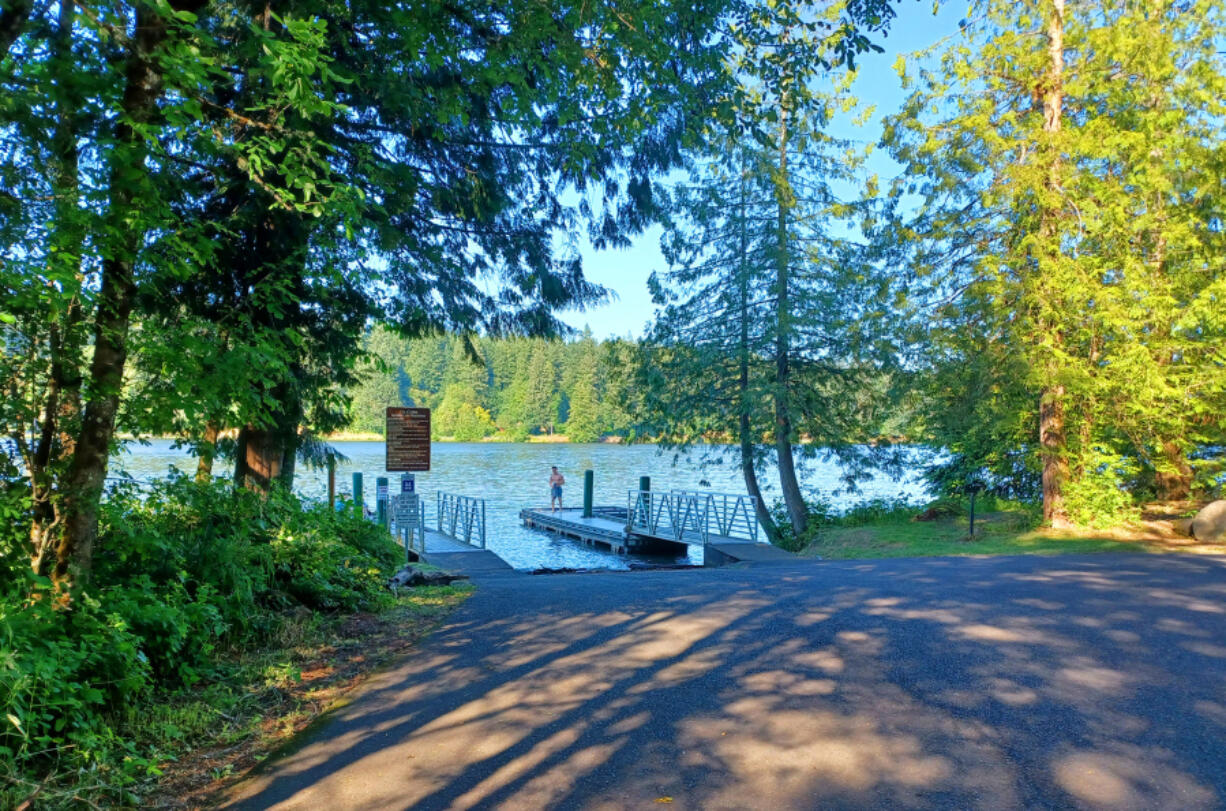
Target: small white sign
<point>405,510</point>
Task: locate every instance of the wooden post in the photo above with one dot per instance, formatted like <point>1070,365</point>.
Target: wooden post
<point>644,482</point>
<point>589,484</point>
<point>331,483</point>
<point>357,494</point>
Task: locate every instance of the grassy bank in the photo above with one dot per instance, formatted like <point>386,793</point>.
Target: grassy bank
<point>885,531</point>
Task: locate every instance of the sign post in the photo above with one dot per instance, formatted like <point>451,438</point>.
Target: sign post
<point>405,507</point>
<point>408,452</point>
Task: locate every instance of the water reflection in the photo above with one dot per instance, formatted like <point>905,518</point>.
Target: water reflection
<point>511,477</point>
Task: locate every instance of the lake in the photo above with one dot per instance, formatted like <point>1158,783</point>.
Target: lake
<point>513,476</point>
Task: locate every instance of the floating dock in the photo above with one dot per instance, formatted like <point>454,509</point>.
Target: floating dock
<point>724,525</point>
<point>605,529</point>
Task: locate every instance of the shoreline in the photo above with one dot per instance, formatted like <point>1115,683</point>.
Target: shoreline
<point>360,436</point>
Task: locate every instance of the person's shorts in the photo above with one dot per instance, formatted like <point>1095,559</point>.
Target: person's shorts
<point>557,491</point>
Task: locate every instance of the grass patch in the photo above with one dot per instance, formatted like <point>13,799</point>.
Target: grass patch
<point>210,735</point>
<point>1006,530</point>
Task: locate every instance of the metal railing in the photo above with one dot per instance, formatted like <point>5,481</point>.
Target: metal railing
<point>461,517</point>
<point>692,516</point>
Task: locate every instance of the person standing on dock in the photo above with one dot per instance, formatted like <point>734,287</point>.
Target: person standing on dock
<point>556,480</point>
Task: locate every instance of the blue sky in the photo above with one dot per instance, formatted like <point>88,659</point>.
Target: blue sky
<point>625,271</point>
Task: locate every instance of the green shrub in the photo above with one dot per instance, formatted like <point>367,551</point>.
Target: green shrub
<point>14,530</point>
<point>820,514</point>
<point>180,571</point>
<point>183,541</point>
<point>946,507</point>
<point>322,573</point>
<point>1098,498</point>
<point>877,511</point>
<point>178,631</point>
<point>60,671</point>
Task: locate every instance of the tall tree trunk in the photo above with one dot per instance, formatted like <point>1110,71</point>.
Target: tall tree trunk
<point>744,404</point>
<point>87,470</point>
<point>263,457</point>
<point>62,403</point>
<point>271,453</point>
<point>1053,440</point>
<point>240,456</point>
<point>798,514</point>
<point>208,452</point>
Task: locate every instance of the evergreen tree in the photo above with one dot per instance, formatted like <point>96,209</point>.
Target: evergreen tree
<point>760,334</point>
<point>467,370</point>
<point>583,418</point>
<point>542,396</point>
<point>1063,238</point>
<point>382,381</point>
<point>513,413</point>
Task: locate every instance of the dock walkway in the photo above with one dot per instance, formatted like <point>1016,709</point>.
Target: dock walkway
<point>454,555</point>
<point>608,528</point>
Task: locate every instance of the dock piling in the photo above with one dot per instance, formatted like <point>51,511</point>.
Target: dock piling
<point>381,501</point>
<point>589,485</point>
<point>331,482</point>
<point>357,493</point>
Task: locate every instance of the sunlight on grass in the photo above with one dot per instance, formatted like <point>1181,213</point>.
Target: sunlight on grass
<point>996,533</point>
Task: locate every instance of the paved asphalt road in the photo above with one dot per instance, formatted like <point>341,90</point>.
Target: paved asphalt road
<point>1020,682</point>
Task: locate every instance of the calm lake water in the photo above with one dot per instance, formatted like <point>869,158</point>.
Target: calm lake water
<point>513,476</point>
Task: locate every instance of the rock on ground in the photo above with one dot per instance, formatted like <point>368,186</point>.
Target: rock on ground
<point>1210,523</point>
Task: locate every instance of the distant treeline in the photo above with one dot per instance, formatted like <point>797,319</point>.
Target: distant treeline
<point>509,389</point>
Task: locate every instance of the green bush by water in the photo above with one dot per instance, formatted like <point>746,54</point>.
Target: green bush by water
<point>180,575</point>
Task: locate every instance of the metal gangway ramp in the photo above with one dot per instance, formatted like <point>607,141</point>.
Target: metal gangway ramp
<point>693,516</point>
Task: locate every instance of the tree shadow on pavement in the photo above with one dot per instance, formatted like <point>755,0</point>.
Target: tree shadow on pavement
<point>956,682</point>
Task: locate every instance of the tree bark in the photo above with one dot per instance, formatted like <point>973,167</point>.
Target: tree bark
<point>240,456</point>
<point>1053,444</point>
<point>263,458</point>
<point>126,173</point>
<point>1052,440</point>
<point>798,513</point>
<point>62,403</point>
<point>744,427</point>
<point>208,452</point>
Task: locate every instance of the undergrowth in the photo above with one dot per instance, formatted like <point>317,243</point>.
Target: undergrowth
<point>188,579</point>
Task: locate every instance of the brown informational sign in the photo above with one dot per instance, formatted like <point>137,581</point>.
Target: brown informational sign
<point>408,439</point>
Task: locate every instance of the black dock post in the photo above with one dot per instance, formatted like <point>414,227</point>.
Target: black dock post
<point>644,482</point>
<point>589,483</point>
<point>331,482</point>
